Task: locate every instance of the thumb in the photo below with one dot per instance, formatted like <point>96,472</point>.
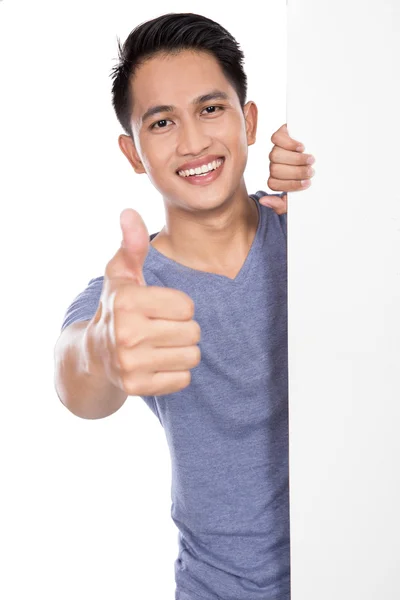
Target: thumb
<point>128,261</point>
<point>278,202</point>
<point>135,242</point>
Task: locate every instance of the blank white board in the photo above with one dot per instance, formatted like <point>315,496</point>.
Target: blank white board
<point>344,300</point>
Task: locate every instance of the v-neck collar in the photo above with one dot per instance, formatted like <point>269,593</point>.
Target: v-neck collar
<point>241,274</point>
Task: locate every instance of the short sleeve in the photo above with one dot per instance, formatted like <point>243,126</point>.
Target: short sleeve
<point>84,306</point>
<point>282,218</point>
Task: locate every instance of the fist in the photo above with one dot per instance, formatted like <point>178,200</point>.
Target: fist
<point>143,337</point>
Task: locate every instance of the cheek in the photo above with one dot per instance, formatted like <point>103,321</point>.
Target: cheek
<point>234,133</point>
<point>160,149</point>
<point>157,158</point>
<point>238,143</point>
<point>154,156</point>
<point>240,148</point>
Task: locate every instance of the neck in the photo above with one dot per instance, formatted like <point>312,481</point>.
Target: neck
<point>216,240</point>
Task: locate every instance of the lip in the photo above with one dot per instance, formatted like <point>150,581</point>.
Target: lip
<point>206,178</point>
<point>199,162</point>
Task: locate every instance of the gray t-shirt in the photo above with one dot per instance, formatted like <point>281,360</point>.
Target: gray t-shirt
<point>227,431</point>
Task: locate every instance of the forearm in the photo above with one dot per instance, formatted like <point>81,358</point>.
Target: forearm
<point>85,393</point>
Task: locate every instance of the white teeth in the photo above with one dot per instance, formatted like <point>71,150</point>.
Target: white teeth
<point>201,170</point>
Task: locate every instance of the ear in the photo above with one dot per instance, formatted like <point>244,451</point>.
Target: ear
<point>128,147</point>
<point>250,112</point>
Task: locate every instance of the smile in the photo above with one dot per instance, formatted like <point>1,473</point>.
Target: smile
<point>202,170</point>
<point>204,174</point>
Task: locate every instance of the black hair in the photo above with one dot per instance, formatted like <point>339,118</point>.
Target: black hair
<point>170,34</point>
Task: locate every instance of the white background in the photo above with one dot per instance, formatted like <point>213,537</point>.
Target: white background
<point>344,299</point>
<point>85,505</point>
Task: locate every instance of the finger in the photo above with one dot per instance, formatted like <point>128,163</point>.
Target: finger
<point>151,360</point>
<point>134,329</point>
<point>155,302</point>
<point>162,383</point>
<point>288,172</point>
<point>288,157</point>
<point>282,138</point>
<point>288,185</point>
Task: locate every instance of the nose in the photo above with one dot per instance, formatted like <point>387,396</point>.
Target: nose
<point>193,138</point>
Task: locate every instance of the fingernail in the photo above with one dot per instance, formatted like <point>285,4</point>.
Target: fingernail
<point>300,148</point>
<point>306,183</point>
<point>310,160</point>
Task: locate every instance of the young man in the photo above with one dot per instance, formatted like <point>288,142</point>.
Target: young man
<point>195,322</point>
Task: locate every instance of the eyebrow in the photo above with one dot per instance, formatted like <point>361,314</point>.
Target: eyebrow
<point>214,95</point>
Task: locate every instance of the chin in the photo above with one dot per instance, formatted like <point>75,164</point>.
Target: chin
<point>206,199</point>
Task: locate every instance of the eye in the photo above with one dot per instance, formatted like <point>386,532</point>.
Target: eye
<point>213,109</point>
<point>162,124</point>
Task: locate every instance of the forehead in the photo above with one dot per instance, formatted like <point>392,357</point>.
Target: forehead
<point>176,79</point>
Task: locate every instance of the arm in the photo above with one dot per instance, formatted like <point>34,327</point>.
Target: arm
<point>80,382</point>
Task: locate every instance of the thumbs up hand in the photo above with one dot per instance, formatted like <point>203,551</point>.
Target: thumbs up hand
<point>142,337</point>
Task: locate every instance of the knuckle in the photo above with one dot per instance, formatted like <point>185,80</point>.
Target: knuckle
<point>121,337</point>
<point>119,359</point>
<point>125,363</point>
<point>150,386</point>
<point>155,387</point>
<point>126,366</point>
<point>119,299</point>
<point>274,168</point>
<point>130,386</point>
<point>300,158</point>
<point>126,297</point>
<point>129,335</point>
<point>125,384</point>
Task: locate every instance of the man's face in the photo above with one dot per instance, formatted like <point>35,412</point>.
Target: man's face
<point>185,111</point>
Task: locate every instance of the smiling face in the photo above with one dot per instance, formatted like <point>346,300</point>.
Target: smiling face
<point>187,116</point>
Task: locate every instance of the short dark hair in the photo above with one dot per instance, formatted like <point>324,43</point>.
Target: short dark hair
<point>170,34</point>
